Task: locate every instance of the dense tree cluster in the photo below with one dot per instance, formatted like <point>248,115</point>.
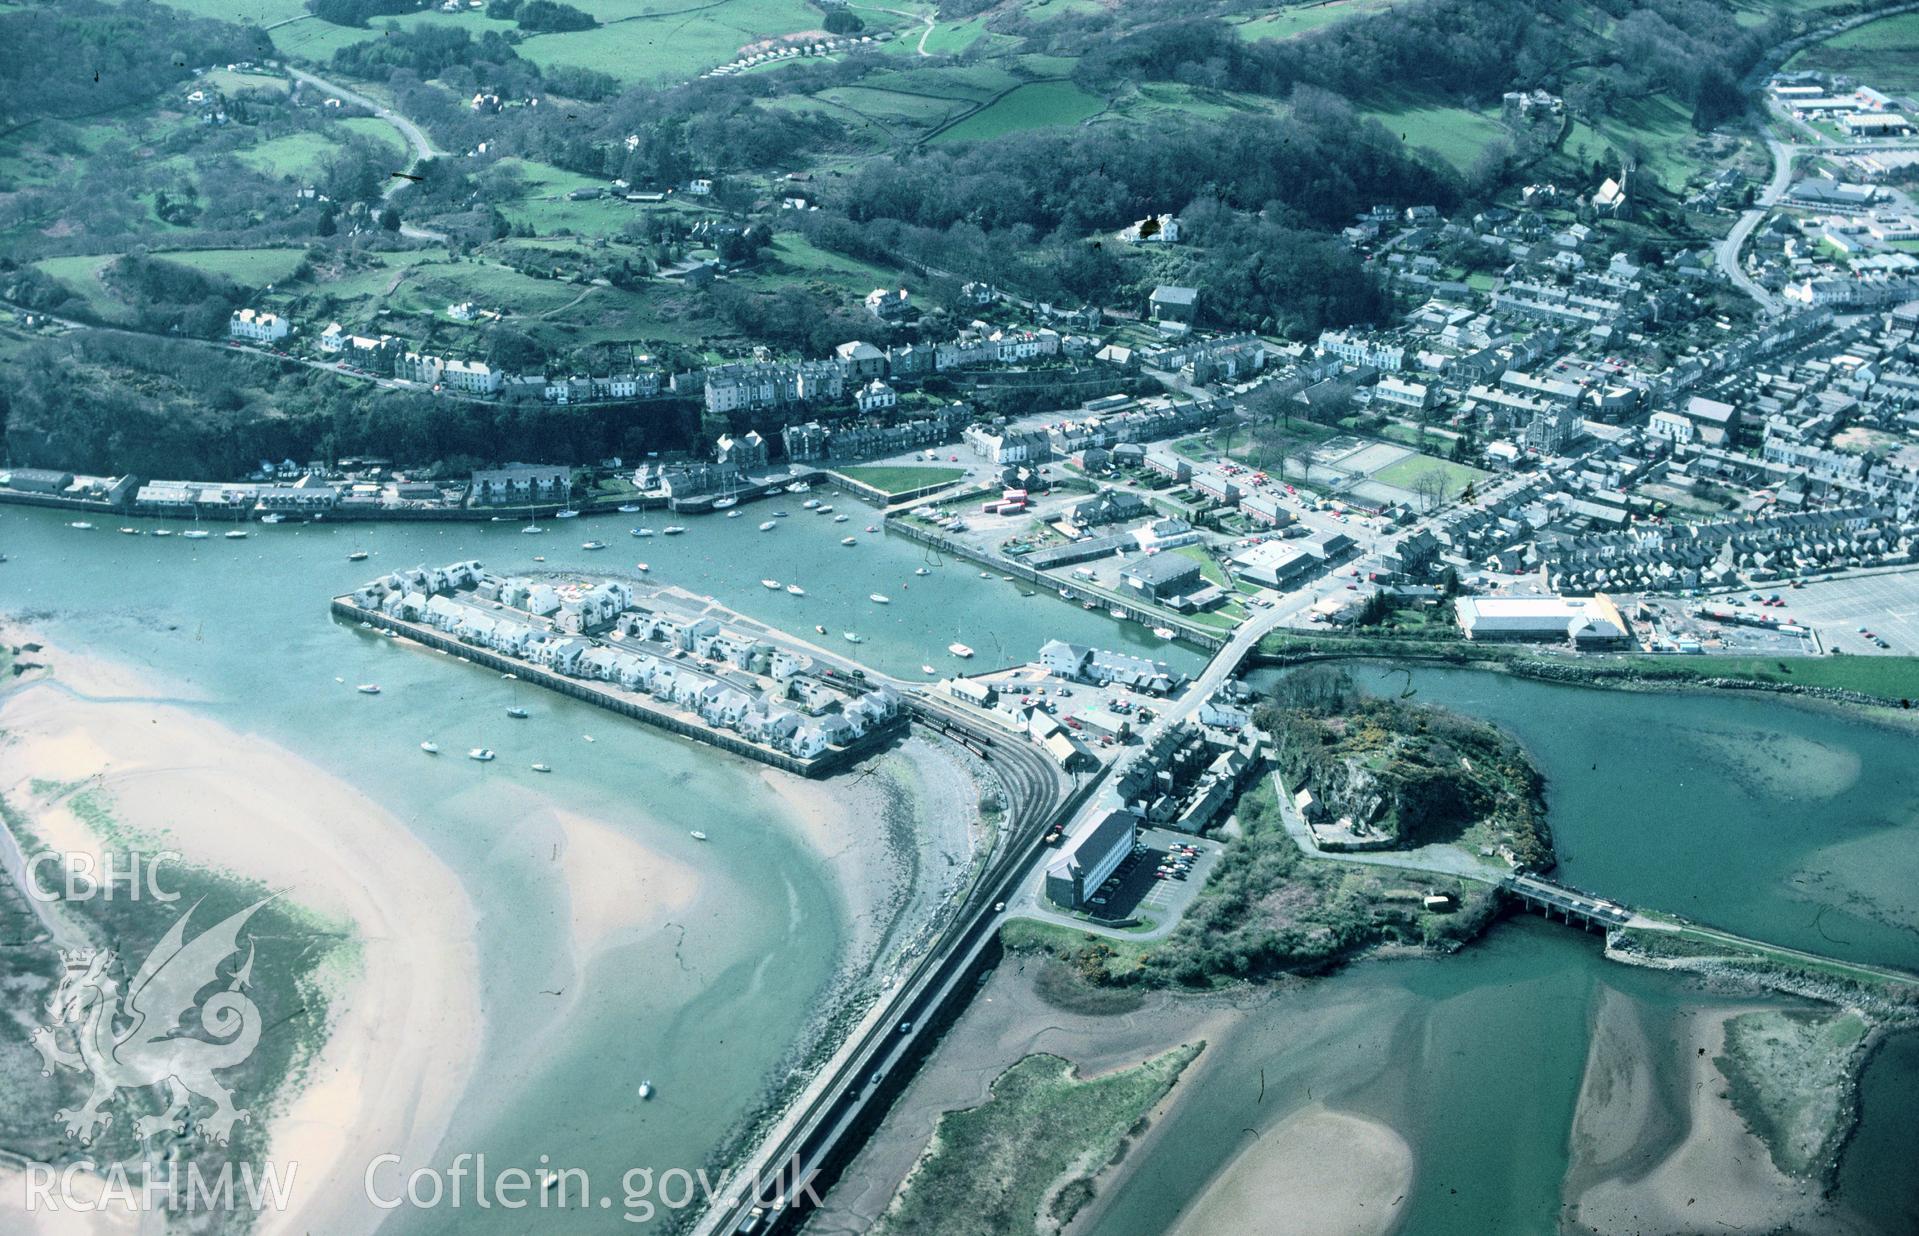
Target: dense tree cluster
<point>112,402</point>
<point>541,16</point>
<point>356,12</point>
<point>86,58</point>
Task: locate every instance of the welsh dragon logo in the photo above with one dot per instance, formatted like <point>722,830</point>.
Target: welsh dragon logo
<point>142,1040</point>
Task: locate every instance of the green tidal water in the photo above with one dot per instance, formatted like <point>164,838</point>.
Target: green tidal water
<point>710,1007</point>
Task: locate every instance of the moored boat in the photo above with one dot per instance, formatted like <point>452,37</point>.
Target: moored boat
<point>959,650</point>
<point>237,534</point>
<point>767,526</point>
<point>927,669</point>
<point>674,529</point>
<point>368,688</point>
<point>921,571</point>
<point>853,637</point>
<point>639,532</point>
<point>543,768</point>
<point>568,513</point>
<point>518,714</point>
<point>430,747</point>
<point>81,524</point>
<point>771,585</point>
<point>847,540</point>
<point>1163,632</point>
<point>628,508</point>
<point>592,544</point>
<point>879,598</point>
<point>697,835</point>
<point>796,590</point>
<point>358,555</point>
<point>482,754</point>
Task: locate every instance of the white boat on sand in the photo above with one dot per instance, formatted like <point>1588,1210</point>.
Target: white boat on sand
<point>879,598</point>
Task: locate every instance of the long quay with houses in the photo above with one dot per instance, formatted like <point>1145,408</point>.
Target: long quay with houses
<point>662,657</point>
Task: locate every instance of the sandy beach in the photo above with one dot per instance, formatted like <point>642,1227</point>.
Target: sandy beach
<point>898,837</point>
<point>1710,1173</point>
<point>1320,1171</point>
<point>405,1018</point>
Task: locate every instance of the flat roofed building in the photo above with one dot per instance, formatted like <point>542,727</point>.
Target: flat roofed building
<point>1581,621</point>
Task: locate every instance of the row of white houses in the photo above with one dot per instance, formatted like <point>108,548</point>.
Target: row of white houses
<point>790,717</point>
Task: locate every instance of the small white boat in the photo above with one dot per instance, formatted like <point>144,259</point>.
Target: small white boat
<point>431,748</point>
<point>674,529</point>
<point>543,768</point>
<point>482,754</point>
<point>959,650</point>
<point>720,504</point>
<point>81,524</point>
<point>767,526</point>
<point>852,638</point>
<point>646,1090</point>
<point>1163,632</point>
<point>927,669</point>
<point>273,517</point>
<point>779,515</point>
<point>539,557</point>
<point>532,530</point>
<point>922,571</point>
<point>732,514</point>
<point>588,737</point>
<point>358,555</point>
<point>509,676</point>
<point>518,714</point>
<point>592,544</point>
<point>639,532</point>
<point>130,532</point>
<point>796,590</point>
<point>697,835</point>
<point>771,585</point>
<point>872,527</point>
<point>819,630</point>
<point>569,513</point>
<point>847,540</point>
<point>196,534</point>
<point>826,508</point>
<point>986,575</point>
<point>1117,612</point>
<point>163,532</point>
<point>627,508</point>
<point>839,519</point>
<point>798,487</point>
<point>368,688</point>
<point>641,566</point>
<point>811,504</point>
<point>236,535</point>
<point>879,598</point>
<point>1089,604</point>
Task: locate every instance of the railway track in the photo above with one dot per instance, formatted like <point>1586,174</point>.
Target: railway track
<point>866,1075</point>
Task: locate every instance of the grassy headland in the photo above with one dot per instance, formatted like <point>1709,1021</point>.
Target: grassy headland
<point>1030,1153</point>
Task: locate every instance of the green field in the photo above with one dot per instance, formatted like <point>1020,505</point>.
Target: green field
<point>82,274</point>
<point>1292,21</point>
<point>991,1169</point>
<point>305,154</point>
<point>793,255</point>
<point>1456,134</point>
<point>1658,127</point>
<point>645,40</point>
<point>1034,106</point>
<point>900,479</point>
<point>1891,678</point>
<point>242,12</point>
<point>1406,473</point>
<point>251,268</point>
<point>1883,54</point>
